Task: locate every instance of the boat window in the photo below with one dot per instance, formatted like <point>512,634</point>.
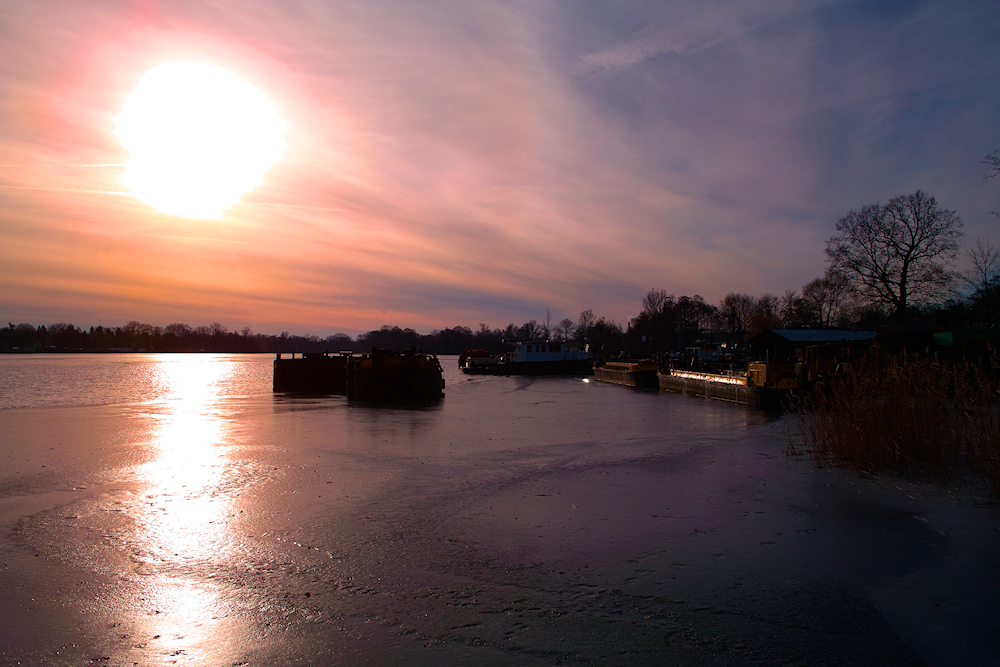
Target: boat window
<point>529,349</point>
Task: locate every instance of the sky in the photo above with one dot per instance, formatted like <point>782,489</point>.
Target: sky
<point>452,162</point>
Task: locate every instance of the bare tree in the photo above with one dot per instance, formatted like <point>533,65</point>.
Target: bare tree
<point>789,306</point>
<point>530,330</point>
<point>566,328</point>
<point>983,276</point>
<point>736,311</point>
<point>827,296</point>
<point>897,253</point>
<point>178,329</point>
<point>656,301</point>
<point>585,323</point>
<point>766,314</point>
<point>992,160</point>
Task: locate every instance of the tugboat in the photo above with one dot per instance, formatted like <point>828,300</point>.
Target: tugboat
<point>383,375</point>
<point>530,358</point>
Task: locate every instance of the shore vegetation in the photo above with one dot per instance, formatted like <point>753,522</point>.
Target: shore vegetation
<point>903,414</point>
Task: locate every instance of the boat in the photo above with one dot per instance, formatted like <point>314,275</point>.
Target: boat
<point>750,388</point>
<point>311,372</point>
<point>473,361</point>
<point>531,358</point>
<point>639,374</point>
<point>387,375</point>
<point>381,375</point>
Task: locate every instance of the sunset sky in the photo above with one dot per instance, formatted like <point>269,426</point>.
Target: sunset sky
<point>456,162</point>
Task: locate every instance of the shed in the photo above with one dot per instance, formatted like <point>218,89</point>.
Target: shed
<point>787,344</point>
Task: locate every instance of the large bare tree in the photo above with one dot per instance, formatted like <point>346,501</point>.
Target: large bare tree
<point>899,252</point>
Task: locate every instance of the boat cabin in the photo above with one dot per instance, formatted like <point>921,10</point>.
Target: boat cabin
<point>568,350</point>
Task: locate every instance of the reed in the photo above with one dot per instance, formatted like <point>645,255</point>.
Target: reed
<point>908,415</point>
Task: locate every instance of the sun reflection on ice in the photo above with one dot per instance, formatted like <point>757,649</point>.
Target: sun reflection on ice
<point>189,469</point>
<point>184,531</point>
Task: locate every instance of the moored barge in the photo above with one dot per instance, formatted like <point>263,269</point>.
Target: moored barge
<point>639,374</point>
<point>382,375</point>
<point>753,388</point>
<point>531,358</point>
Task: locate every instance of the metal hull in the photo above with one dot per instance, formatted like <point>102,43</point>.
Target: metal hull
<point>380,376</point>
<point>560,367</point>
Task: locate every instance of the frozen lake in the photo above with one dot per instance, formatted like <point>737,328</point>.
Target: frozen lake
<point>168,509</point>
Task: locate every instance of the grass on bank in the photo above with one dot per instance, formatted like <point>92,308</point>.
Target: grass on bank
<point>905,415</point>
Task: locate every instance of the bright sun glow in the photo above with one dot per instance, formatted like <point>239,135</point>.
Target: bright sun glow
<point>199,138</point>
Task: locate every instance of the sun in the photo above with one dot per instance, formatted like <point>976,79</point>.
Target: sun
<point>199,138</point>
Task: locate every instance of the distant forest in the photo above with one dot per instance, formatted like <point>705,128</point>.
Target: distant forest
<point>665,324</point>
<point>141,337</point>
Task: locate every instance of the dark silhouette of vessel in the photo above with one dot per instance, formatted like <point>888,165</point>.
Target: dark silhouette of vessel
<point>530,358</point>
<point>382,375</point>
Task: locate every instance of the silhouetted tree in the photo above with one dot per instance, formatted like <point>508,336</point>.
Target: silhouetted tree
<point>827,297</point>
<point>983,278</point>
<point>735,311</point>
<point>530,330</point>
<point>766,314</point>
<point>565,329</point>
<point>899,252</point>
<point>606,337</point>
<point>585,323</point>
<point>992,160</point>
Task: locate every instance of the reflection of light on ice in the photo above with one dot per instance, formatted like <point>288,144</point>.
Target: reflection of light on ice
<point>186,503</point>
<point>188,470</point>
<point>183,607</point>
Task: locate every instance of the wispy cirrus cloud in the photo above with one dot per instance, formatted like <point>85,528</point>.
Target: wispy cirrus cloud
<point>708,25</point>
<point>448,164</point>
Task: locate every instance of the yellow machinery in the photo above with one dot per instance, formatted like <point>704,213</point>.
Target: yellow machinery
<point>772,376</point>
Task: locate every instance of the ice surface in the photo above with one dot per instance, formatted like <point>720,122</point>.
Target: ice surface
<point>517,521</point>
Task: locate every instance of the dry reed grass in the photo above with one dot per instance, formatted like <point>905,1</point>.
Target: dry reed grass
<point>908,415</point>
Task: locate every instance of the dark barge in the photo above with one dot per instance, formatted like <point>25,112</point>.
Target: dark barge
<point>638,374</point>
<point>382,375</point>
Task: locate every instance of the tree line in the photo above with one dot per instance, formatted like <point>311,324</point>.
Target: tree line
<point>888,263</point>
<point>141,337</point>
